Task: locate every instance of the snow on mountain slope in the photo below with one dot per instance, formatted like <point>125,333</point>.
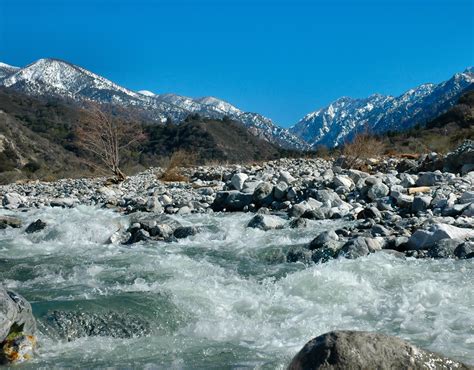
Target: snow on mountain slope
<point>338,122</point>
<point>56,78</point>
<point>7,70</point>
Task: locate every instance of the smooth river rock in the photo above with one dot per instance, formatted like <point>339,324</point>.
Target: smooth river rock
<point>340,350</point>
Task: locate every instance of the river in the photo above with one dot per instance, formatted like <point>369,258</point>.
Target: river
<point>224,298</point>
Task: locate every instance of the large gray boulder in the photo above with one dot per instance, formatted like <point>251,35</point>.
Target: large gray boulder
<point>424,239</point>
<point>233,201</point>
<point>238,181</point>
<point>17,328</point>
<point>340,350</point>
<point>359,247</point>
<point>266,222</point>
<point>262,195</point>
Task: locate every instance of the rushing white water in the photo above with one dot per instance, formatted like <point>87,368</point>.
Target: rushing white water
<point>224,298</point>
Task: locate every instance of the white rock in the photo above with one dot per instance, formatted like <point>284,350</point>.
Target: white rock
<point>423,239</point>
<point>238,180</point>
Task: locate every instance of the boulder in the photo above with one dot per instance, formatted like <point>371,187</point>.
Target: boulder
<point>238,181</point>
<point>343,180</point>
<point>462,156</point>
<point>262,195</point>
<point>429,178</point>
<point>444,248</point>
<point>12,200</point>
<point>6,221</point>
<point>378,190</point>
<point>17,328</point>
<point>424,239</point>
<point>359,247</point>
<point>266,222</point>
<point>465,250</point>
<point>325,239</point>
<point>36,226</point>
<point>233,201</point>
<point>339,350</point>
<point>421,203</point>
<point>286,177</point>
<point>185,231</point>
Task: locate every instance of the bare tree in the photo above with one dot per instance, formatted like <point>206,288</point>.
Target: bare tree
<point>106,137</point>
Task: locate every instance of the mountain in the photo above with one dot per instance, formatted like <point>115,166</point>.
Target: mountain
<point>338,122</point>
<point>60,79</point>
<point>37,140</point>
<point>7,70</point>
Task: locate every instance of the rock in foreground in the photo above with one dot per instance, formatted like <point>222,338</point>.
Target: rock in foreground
<point>365,350</point>
<point>17,328</point>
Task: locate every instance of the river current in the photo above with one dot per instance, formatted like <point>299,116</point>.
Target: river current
<point>224,298</point>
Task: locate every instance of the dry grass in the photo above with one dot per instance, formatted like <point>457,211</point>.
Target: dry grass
<point>178,161</point>
<point>361,148</point>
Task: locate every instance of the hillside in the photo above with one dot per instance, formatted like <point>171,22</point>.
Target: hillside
<point>441,134</point>
<point>38,140</point>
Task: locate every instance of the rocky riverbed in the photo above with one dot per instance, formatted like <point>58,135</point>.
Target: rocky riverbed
<point>269,246</point>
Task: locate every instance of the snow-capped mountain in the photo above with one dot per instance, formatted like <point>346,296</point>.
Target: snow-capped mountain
<point>57,78</point>
<point>7,70</point>
<point>338,122</point>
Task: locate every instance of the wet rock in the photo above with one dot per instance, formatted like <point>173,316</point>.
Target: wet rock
<point>465,250</point>
<point>185,231</point>
<point>36,226</point>
<point>314,214</point>
<point>137,235</point>
<point>232,201</point>
<point>423,239</point>
<point>444,248</point>
<point>63,202</point>
<point>359,247</point>
<point>17,328</point>
<point>323,240</point>
<point>9,221</point>
<point>364,350</point>
<point>74,325</point>
<point>298,223</point>
<point>266,222</point>
<point>298,254</point>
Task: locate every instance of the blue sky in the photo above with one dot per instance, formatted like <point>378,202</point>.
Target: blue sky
<point>279,58</point>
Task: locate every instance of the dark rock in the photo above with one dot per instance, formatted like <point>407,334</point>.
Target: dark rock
<point>185,231</point>
<point>313,214</point>
<point>74,325</point>
<point>298,222</point>
<point>137,235</point>
<point>298,254</point>
<point>444,248</point>
<point>262,195</point>
<point>339,350</point>
<point>266,222</point>
<point>36,226</point>
<point>359,247</point>
<point>232,201</point>
<point>325,239</point>
<point>369,212</point>
<point>465,250</point>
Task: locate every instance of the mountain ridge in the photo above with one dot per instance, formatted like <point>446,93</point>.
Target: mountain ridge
<point>58,78</point>
<point>342,119</point>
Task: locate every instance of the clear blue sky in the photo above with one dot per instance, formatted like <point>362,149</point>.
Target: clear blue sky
<point>279,58</point>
